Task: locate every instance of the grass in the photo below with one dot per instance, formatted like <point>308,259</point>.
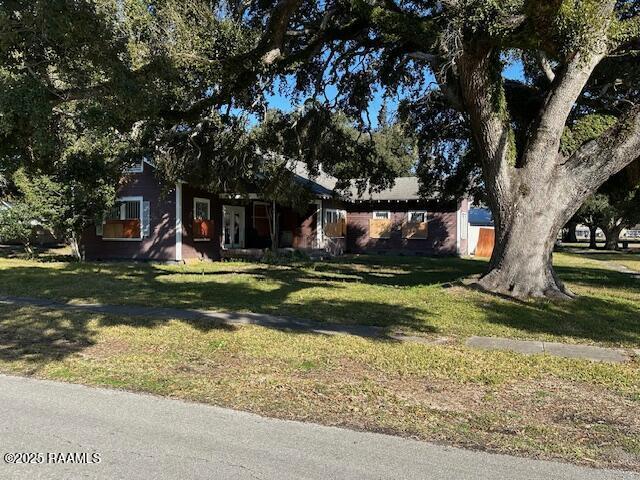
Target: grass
<point>538,406</point>
<point>399,293</point>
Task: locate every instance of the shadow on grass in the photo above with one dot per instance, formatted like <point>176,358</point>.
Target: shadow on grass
<point>37,336</point>
<point>599,317</point>
<point>289,291</point>
<point>587,317</point>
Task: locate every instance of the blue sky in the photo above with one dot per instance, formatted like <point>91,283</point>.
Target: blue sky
<point>513,71</point>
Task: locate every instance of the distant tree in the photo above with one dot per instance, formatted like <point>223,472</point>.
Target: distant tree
<point>34,205</point>
<point>595,212</point>
<point>623,195</point>
<point>613,209</point>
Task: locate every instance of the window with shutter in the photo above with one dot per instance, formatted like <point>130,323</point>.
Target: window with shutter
<point>202,225</point>
<point>124,220</point>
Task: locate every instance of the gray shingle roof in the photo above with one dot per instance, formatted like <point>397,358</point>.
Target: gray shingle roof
<point>404,188</point>
<point>323,185</point>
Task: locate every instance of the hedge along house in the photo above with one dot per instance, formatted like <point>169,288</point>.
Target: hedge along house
<point>184,223</point>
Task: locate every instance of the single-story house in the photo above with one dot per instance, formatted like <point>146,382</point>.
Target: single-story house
<point>186,223</point>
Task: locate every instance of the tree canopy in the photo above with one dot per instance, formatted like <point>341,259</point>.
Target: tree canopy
<point>186,79</point>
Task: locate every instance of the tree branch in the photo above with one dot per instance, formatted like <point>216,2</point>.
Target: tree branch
<point>481,89</point>
<point>272,40</point>
<point>545,66</point>
<point>597,160</point>
<point>565,90</point>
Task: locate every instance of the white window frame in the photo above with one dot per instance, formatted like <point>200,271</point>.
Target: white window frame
<point>208,202</point>
<point>382,215</point>
<point>137,168</point>
<point>340,214</point>
<point>413,212</point>
<point>140,200</point>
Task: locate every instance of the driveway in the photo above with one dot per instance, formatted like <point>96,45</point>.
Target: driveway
<point>75,432</point>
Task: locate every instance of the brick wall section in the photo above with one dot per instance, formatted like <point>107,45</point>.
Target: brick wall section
<point>441,239</point>
<point>160,244</point>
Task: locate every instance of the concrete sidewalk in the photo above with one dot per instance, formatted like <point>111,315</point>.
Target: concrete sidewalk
<point>147,437</point>
<point>530,347</point>
<point>585,352</point>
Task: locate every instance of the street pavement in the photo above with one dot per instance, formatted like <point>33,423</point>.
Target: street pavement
<point>64,431</point>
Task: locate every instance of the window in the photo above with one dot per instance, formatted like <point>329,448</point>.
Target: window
<point>382,215</point>
<point>380,225</point>
<point>332,215</point>
<point>135,167</point>
<point>202,228</point>
<point>124,220</point>
<point>415,228</point>
<point>335,223</point>
<point>202,209</point>
<point>125,210</point>
<point>417,217</point>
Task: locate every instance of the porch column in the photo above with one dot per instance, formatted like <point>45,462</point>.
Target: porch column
<point>274,226</point>
<point>178,222</point>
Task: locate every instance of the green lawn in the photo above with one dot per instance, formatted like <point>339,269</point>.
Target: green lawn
<point>538,406</point>
<point>400,293</point>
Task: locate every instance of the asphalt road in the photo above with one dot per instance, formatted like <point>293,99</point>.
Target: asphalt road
<point>146,437</point>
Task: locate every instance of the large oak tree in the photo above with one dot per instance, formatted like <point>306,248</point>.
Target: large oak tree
<point>188,73</point>
<point>573,50</point>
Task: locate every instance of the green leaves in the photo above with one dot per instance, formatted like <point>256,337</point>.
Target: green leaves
<point>585,129</point>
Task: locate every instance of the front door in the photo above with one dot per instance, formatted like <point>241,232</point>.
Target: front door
<point>233,226</point>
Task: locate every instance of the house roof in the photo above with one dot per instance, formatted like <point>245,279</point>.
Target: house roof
<point>316,188</point>
<point>480,217</point>
<point>404,188</point>
<point>323,185</point>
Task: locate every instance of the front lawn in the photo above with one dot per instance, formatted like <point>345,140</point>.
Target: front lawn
<point>401,293</point>
<point>537,406</point>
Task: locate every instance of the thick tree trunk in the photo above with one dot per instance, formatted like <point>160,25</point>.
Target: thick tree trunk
<point>535,190</point>
<point>521,264</point>
<point>612,237</point>
<point>593,232</point>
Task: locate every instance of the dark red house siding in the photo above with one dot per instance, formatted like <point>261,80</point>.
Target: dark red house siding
<point>441,240</point>
<point>305,233</point>
<point>160,244</point>
<point>193,249</point>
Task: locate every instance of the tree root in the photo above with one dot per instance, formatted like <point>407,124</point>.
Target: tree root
<point>494,283</point>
